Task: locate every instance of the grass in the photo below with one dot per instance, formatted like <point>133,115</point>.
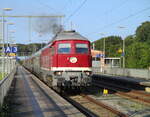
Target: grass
<point>5,109</point>
<point>1,76</point>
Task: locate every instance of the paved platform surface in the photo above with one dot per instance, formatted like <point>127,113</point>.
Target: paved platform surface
<point>31,100</point>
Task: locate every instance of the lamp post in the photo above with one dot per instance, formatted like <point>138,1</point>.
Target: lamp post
<point>3,40</point>
<point>11,42</point>
<point>103,43</point>
<point>103,58</point>
<point>9,37</point>
<point>123,47</point>
<point>8,24</point>
<point>7,41</point>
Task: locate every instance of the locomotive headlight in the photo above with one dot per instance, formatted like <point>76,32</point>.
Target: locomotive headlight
<point>73,59</point>
<point>88,73</point>
<point>58,73</point>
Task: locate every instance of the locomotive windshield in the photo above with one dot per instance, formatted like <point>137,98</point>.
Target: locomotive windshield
<point>64,48</point>
<point>81,48</point>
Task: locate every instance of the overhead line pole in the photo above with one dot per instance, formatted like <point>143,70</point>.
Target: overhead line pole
<point>34,16</point>
<point>3,40</point>
<point>123,47</point>
<point>3,46</point>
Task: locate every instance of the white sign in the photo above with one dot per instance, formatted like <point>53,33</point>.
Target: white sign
<point>11,50</point>
<point>8,50</point>
<point>14,49</point>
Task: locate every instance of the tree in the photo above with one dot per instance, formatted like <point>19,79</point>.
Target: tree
<point>112,45</point>
<point>137,55</point>
<point>29,48</point>
<point>137,47</point>
<point>143,32</point>
<point>130,40</point>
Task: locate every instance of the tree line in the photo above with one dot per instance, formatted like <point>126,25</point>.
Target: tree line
<point>25,49</point>
<point>28,49</point>
<point>137,47</point>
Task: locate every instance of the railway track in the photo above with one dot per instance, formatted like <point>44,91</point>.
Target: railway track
<point>139,96</point>
<point>79,106</point>
<point>114,111</point>
<point>93,108</point>
<point>57,102</point>
<point>82,109</point>
<point>96,108</point>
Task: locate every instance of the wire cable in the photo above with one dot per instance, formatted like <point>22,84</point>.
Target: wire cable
<point>116,7</point>
<point>120,20</point>
<point>47,6</point>
<point>65,6</point>
<point>75,11</point>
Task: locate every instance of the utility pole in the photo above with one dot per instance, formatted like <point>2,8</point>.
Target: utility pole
<point>34,16</point>
<point>104,47</point>
<point>27,16</point>
<point>93,46</point>
<point>103,44</point>
<point>103,58</point>
<point>123,53</point>
<point>3,40</point>
<point>123,47</point>
<point>7,45</point>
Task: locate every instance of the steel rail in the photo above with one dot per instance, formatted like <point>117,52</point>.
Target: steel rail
<point>87,112</point>
<point>82,109</point>
<point>141,93</point>
<point>126,88</point>
<point>120,114</point>
<point>146,102</point>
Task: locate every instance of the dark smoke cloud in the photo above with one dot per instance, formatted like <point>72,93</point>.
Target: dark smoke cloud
<point>46,25</point>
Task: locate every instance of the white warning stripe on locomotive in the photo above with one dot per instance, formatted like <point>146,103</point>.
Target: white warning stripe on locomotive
<point>68,69</point>
<point>45,68</point>
<point>71,69</point>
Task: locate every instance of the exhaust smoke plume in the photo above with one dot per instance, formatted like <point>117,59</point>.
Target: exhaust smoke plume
<point>46,25</point>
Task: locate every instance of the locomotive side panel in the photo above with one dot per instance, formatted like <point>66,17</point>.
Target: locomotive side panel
<point>45,63</point>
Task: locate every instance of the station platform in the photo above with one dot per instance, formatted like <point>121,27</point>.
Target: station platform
<point>32,98</point>
<point>132,80</point>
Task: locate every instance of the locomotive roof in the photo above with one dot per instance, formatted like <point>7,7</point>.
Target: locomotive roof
<point>69,35</point>
<point>64,35</point>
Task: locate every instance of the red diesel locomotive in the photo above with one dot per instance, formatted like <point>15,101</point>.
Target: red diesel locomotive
<point>65,62</point>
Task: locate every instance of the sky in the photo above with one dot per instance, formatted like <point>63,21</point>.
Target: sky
<point>93,19</point>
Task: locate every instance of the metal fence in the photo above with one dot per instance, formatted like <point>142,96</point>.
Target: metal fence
<point>6,82</point>
<point>138,73</point>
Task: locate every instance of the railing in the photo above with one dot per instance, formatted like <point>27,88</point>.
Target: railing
<point>138,73</point>
<point>7,80</point>
<point>5,85</point>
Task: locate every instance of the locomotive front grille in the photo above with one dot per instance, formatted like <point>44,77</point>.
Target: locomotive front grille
<point>73,73</point>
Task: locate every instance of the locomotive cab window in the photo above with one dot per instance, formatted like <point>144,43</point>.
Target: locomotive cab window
<point>64,48</point>
<point>81,48</point>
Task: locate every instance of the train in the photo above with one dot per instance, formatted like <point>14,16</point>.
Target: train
<point>65,62</point>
